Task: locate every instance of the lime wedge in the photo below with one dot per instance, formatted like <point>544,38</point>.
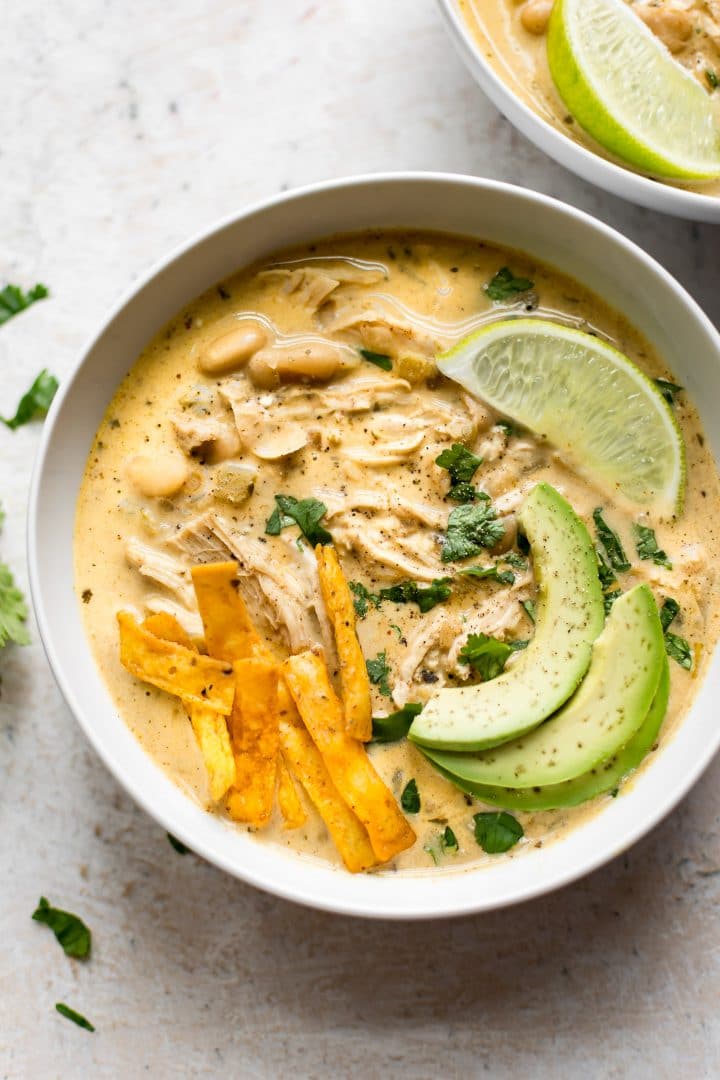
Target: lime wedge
<point>592,403</point>
<point>622,85</point>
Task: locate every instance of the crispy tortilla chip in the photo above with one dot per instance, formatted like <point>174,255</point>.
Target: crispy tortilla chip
<point>353,673</point>
<point>305,761</point>
<point>255,741</point>
<point>347,762</point>
<point>291,808</point>
<point>197,679</point>
<point>229,631</point>
<point>164,625</point>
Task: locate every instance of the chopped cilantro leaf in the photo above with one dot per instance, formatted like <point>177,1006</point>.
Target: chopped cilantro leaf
<point>605,571</point>
<point>469,529</point>
<point>513,559</point>
<point>307,513</point>
<point>609,599</point>
<point>410,798</point>
<point>668,612</point>
<point>492,573</point>
<point>177,844</point>
<point>362,598</point>
<point>462,466</point>
<point>13,300</point>
<point>647,547</point>
<point>668,389</point>
<point>505,286</point>
<point>76,1017</point>
<point>713,78</point>
<point>381,360</point>
<point>507,427</point>
<point>396,725</point>
<point>518,645</point>
<point>378,671</point>
<point>486,655</point>
<point>528,607</point>
<point>70,931</point>
<point>497,831</point>
<point>448,840</point>
<point>679,650</point>
<point>35,403</point>
<point>13,610</point>
<point>611,543</point>
<point>409,592</point>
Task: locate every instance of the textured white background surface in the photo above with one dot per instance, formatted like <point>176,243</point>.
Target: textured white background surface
<point>126,127</point>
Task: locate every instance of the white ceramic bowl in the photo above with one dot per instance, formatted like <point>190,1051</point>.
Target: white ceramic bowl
<point>582,247</point>
<point>591,167</point>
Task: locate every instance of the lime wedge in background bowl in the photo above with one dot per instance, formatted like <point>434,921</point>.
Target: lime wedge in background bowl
<point>585,397</point>
<point>624,88</point>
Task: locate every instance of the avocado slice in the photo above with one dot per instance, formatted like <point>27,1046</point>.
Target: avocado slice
<point>598,721</point>
<point>604,777</point>
<point>569,616</point>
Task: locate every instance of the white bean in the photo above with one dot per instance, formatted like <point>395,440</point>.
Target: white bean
<point>233,349</point>
<point>158,475</point>
<point>536,15</point>
<point>315,361</point>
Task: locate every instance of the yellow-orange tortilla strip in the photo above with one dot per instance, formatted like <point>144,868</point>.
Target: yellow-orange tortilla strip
<point>305,762</point>
<point>229,630</point>
<point>164,625</point>
<point>196,679</point>
<point>291,807</point>
<point>255,740</point>
<point>353,672</point>
<point>347,762</point>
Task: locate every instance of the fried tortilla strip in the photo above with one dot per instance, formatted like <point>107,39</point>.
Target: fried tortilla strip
<point>229,630</point>
<point>255,740</point>
<point>291,808</point>
<point>353,673</point>
<point>196,679</point>
<point>164,625</point>
<point>305,761</point>
<point>347,762</point>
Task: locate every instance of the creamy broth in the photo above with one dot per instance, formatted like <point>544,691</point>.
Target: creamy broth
<point>690,29</point>
<point>364,442</point>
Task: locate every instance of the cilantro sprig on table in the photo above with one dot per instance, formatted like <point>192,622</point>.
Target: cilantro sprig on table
<point>71,932</point>
<point>13,300</point>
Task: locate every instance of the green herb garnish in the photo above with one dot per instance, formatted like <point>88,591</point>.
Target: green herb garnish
<point>605,571</point>
<point>410,798</point>
<point>409,592</point>
<point>35,403</point>
<point>76,1017</point>
<point>513,559</point>
<point>396,725</point>
<point>491,573</point>
<point>362,598</point>
<point>13,610</point>
<point>497,831</point>
<point>679,649</point>
<point>307,513</point>
<point>70,931</point>
<point>486,655</point>
<point>13,300</point>
<point>611,543</point>
<point>668,389</point>
<point>647,547</point>
<point>469,529</point>
<point>378,671</point>
<point>462,466</point>
<point>609,599</point>
<point>668,612</point>
<point>381,360</point>
<point>505,285</point>
<point>713,78</point>
<point>448,841</point>
<point>177,844</point>
<point>528,607</point>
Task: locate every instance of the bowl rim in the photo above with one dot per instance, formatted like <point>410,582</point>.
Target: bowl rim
<point>151,801</point>
<point>589,166</point>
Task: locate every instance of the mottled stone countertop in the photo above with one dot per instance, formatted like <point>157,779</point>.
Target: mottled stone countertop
<point>127,127</point>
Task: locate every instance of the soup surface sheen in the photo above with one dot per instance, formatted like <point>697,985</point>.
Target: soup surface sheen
<point>364,442</point>
<point>689,28</point>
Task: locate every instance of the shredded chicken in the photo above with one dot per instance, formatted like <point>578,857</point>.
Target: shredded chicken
<point>162,569</point>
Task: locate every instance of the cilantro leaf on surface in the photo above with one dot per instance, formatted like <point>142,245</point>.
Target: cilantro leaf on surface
<point>76,1017</point>
<point>669,390</point>
<point>381,360</point>
<point>34,404</point>
<point>307,513</point>
<point>505,285</point>
<point>70,931</point>
<point>409,592</point>
<point>497,831</point>
<point>469,529</point>
<point>378,671</point>
<point>397,724</point>
<point>679,649</point>
<point>668,612</point>
<point>410,798</point>
<point>449,841</point>
<point>486,655</point>
<point>491,573</point>
<point>13,300</point>
<point>611,543</point>
<point>13,610</point>
<point>647,547</point>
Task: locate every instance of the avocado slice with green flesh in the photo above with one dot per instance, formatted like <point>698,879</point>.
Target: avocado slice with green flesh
<point>604,777</point>
<point>569,616</point>
<point>597,722</point>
